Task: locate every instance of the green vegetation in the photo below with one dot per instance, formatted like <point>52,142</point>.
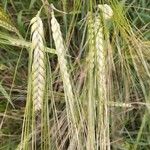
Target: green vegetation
<point>74,75</point>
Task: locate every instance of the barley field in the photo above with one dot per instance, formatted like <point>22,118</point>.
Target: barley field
<point>74,75</point>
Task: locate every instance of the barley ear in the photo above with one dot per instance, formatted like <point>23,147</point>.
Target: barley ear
<point>60,50</point>
<point>38,65</point>
<point>68,90</point>
<point>90,84</point>
<point>101,77</point>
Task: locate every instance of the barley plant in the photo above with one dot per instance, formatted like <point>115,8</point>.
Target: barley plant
<point>74,75</point>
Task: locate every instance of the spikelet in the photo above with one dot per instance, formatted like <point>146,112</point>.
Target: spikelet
<point>101,76</point>
<point>38,66</point>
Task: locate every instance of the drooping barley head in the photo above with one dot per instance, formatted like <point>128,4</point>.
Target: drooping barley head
<point>68,91</point>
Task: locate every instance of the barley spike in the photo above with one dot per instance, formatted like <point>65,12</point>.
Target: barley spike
<point>38,65</point>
